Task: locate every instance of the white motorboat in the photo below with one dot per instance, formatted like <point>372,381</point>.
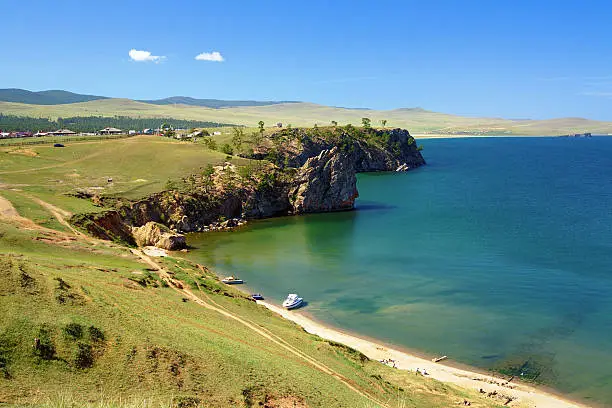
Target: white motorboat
<point>292,301</point>
<point>231,280</point>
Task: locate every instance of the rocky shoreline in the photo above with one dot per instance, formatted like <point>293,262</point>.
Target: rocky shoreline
<point>295,171</point>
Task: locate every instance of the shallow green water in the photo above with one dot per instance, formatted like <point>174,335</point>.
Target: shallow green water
<point>498,253</point>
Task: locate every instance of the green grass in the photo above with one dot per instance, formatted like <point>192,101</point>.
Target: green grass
<point>308,114</point>
<point>138,166</point>
<point>150,347</point>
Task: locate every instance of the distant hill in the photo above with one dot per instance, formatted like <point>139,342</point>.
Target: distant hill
<point>51,97</point>
<point>417,120</point>
<point>210,103</point>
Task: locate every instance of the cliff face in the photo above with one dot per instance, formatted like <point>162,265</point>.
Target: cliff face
<point>326,182</point>
<point>314,173</point>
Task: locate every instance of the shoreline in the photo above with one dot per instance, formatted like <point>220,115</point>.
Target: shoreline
<point>446,371</point>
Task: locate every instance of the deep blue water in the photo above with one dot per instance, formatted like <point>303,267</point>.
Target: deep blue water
<point>498,253</point>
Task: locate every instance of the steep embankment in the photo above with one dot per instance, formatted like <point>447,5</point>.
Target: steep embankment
<point>293,171</point>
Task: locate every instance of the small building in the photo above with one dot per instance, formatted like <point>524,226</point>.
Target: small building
<point>131,132</point>
<point>110,131</point>
<point>40,134</point>
<point>148,131</point>
<point>216,133</point>
<point>63,132</point>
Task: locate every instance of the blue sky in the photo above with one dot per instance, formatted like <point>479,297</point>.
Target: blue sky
<point>514,59</point>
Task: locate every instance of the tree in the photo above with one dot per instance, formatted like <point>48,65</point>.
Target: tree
<point>207,180</point>
<point>227,149</point>
<point>334,123</point>
<point>366,122</point>
<point>261,126</point>
<point>237,138</point>
<point>383,122</point>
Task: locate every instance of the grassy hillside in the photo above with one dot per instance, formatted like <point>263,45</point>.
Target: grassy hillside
<point>85,322</point>
<point>308,114</point>
<point>53,97</point>
<point>138,165</point>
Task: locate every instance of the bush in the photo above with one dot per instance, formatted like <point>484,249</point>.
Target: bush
<point>95,334</point>
<point>43,345</point>
<point>84,357</point>
<point>227,149</point>
<point>74,330</point>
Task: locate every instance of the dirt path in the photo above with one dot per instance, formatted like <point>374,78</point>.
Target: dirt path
<point>6,209</point>
<point>9,213</point>
<point>211,305</point>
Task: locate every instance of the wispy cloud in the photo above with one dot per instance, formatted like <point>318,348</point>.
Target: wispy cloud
<point>555,79</point>
<point>214,56</point>
<point>343,80</point>
<point>603,94</point>
<point>144,56</point>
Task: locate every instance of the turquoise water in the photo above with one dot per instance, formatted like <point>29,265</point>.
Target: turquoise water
<point>498,253</point>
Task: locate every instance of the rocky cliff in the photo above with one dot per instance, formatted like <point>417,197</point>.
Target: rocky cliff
<point>298,171</point>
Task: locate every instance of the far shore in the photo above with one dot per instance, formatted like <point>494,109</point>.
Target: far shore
<point>447,136</point>
<point>522,395</point>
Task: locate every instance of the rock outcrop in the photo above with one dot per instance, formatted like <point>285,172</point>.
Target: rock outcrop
<point>312,171</point>
<point>326,182</point>
<point>158,235</point>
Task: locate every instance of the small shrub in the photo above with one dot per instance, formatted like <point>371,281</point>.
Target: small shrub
<point>43,345</point>
<point>95,334</point>
<point>74,330</point>
<point>84,357</point>
<point>227,149</point>
<point>185,402</point>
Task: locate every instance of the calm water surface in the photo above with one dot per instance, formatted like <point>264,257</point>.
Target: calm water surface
<point>498,253</point>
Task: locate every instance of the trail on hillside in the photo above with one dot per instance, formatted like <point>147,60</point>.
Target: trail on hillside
<point>211,305</point>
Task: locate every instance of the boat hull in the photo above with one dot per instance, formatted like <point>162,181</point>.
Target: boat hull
<point>233,282</point>
<point>293,305</point>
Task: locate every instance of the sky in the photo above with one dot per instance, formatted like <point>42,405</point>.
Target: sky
<point>514,59</point>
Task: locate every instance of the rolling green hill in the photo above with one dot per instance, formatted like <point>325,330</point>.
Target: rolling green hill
<point>51,97</point>
<point>417,120</point>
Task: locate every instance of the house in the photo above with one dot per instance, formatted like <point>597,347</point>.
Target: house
<point>131,132</point>
<point>63,132</point>
<point>39,134</point>
<point>216,133</point>
<point>4,135</point>
<point>110,131</point>
<point>148,131</point>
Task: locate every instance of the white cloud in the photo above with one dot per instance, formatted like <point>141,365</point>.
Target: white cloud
<point>144,56</point>
<point>210,56</point>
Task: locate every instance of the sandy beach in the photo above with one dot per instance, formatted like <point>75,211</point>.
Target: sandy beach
<point>522,395</point>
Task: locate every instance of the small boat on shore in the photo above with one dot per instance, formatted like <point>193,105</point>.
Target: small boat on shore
<point>257,296</point>
<point>232,280</point>
<point>293,301</point>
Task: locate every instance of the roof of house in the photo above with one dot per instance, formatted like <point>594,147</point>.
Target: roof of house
<point>111,129</point>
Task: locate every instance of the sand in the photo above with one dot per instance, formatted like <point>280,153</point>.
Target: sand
<point>522,395</point>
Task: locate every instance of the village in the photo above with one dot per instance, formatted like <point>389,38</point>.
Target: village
<point>109,131</point>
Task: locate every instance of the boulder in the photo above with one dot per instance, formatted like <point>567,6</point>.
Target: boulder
<point>158,235</point>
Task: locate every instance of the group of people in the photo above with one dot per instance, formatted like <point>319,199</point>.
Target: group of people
<point>422,372</point>
<point>390,362</point>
